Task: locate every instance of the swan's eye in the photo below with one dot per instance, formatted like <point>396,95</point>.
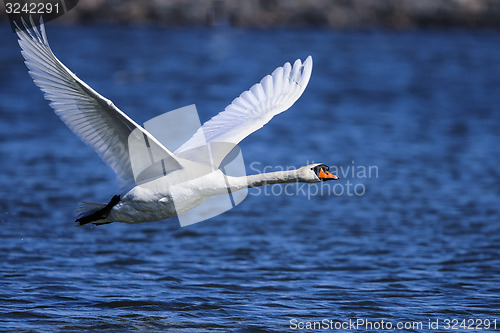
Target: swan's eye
<point>323,174</point>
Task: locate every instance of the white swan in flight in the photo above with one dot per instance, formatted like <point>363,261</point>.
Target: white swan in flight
<point>106,129</point>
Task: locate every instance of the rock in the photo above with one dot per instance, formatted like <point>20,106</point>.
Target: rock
<point>397,14</point>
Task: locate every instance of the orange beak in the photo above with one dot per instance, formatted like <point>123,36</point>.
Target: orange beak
<point>327,175</point>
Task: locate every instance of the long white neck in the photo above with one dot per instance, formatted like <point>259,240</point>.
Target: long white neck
<point>219,183</point>
<point>278,177</point>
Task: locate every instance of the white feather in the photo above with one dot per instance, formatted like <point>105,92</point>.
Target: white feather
<point>253,108</point>
<point>93,118</point>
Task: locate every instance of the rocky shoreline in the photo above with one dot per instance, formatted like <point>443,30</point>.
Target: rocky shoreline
<point>343,14</point>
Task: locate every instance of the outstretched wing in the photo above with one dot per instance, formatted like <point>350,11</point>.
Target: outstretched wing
<point>253,108</point>
<point>93,118</point>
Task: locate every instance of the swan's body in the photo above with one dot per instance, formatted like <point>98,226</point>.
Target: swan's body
<point>100,124</point>
<point>156,204</point>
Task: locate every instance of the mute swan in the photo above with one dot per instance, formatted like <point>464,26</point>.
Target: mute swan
<point>106,129</point>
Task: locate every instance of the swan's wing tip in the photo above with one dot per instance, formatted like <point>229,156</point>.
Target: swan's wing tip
<point>301,72</point>
<point>308,62</point>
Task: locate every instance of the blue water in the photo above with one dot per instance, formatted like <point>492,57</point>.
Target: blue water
<point>419,241</point>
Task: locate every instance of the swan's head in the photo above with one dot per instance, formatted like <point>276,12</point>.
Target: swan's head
<point>317,172</point>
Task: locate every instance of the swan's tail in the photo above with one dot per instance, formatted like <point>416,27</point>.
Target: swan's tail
<point>91,212</point>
